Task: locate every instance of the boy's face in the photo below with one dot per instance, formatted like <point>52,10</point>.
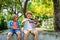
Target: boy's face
<point>29,16</point>
<point>15,19</point>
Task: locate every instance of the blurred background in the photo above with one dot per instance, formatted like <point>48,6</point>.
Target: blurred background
<point>44,9</point>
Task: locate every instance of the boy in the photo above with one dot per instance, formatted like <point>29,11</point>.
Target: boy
<point>14,27</point>
<point>29,26</point>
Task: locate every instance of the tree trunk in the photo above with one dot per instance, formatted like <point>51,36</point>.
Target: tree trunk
<point>56,15</point>
<point>24,9</point>
<point>0,7</point>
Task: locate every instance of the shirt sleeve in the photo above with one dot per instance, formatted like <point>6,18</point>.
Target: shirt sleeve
<point>19,24</point>
<point>8,24</point>
<point>24,20</point>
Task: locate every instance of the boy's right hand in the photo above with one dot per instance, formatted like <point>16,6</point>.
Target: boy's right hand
<point>12,27</point>
<point>31,21</point>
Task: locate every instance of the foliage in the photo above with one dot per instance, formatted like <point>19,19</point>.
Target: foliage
<point>3,22</point>
<point>41,7</point>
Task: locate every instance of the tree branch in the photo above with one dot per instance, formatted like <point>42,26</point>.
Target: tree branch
<point>20,3</point>
<point>25,7</point>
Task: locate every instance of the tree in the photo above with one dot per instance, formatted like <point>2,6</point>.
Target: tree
<point>0,4</point>
<point>24,8</point>
<point>56,15</point>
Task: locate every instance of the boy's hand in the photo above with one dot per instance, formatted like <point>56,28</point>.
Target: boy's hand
<point>31,21</point>
<point>12,27</point>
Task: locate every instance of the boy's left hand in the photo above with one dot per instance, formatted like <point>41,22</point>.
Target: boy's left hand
<point>14,27</point>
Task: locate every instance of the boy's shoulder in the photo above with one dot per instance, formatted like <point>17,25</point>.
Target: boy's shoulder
<point>12,21</point>
<point>25,19</point>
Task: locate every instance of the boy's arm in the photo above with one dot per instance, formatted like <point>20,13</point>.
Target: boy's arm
<point>21,29</point>
<point>24,21</point>
<point>9,25</point>
<point>27,20</point>
<point>19,26</point>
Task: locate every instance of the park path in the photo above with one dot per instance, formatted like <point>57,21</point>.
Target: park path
<point>43,35</point>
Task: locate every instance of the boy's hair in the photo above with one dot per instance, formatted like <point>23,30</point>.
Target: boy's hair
<point>28,13</point>
<point>14,16</point>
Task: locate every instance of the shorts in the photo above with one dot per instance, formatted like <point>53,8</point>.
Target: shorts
<point>13,30</point>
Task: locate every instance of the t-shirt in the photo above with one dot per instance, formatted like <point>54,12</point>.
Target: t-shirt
<point>28,25</point>
<point>15,25</point>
